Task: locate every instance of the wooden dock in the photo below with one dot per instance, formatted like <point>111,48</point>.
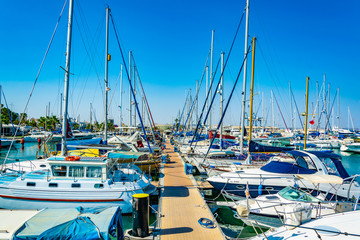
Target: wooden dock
<point>182,205</point>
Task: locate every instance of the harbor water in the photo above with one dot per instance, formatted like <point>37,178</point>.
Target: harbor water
<point>227,219</point>
<point>31,151</point>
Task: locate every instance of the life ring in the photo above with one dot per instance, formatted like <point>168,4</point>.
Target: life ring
<point>206,223</point>
<point>72,158</point>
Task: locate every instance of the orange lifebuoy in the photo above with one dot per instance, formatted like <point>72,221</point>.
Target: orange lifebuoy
<point>72,158</point>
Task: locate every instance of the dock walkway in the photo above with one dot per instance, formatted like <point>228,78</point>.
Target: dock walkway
<point>182,205</point>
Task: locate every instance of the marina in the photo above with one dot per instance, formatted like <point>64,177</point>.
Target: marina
<point>265,148</point>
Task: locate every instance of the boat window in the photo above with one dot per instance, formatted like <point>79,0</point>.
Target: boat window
<point>76,171</point>
<point>75,185</point>
<point>30,184</point>
<point>300,161</point>
<point>330,166</point>
<point>98,185</point>
<point>294,194</point>
<point>310,163</point>
<point>58,170</point>
<point>93,172</point>
<point>53,185</point>
<point>305,162</point>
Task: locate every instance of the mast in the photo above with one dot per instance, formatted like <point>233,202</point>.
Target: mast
<point>306,110</point>
<point>121,85</point>
<point>207,86</point>
<point>61,99</point>
<point>211,69</point>
<point>317,105</point>
<point>244,79</point>
<point>107,59</point>
<point>338,116</point>
<point>291,107</point>
<point>348,118</point>
<point>134,78</point>
<point>252,89</point>
<point>67,78</point>
<point>197,101</point>
<point>90,116</point>
<point>324,108</point>
<point>130,104</point>
<point>221,89</point>
<point>248,160</point>
<point>273,110</point>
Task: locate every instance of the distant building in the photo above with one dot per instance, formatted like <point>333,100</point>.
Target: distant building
<point>9,130</point>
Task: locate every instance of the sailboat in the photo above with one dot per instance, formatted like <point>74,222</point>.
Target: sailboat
<point>72,181</point>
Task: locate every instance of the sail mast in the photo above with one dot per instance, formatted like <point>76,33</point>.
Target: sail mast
<point>244,80</point>
<point>306,110</point>
<point>67,76</point>
<point>121,86</point>
<point>211,71</point>
<point>107,59</point>
<point>221,91</point>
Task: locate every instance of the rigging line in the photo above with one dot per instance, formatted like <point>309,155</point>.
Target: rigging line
<point>177,128</point>
<point>114,91</point>
<point>147,104</point>
<point>227,104</point>
<point>95,43</point>
<point>317,100</point>
<point>132,90</point>
<point>297,109</point>
<point>265,122</point>
<point>197,93</point>
<point>198,125</point>
<point>275,80</point>
<point>328,116</point>
<point>33,88</point>
<point>90,56</point>
<point>280,112</point>
<point>146,107</point>
<point>8,110</point>
<point>323,111</point>
<point>210,87</point>
<point>225,64</point>
<point>233,81</point>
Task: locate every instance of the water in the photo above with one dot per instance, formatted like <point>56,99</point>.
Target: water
<point>31,151</point>
<point>231,226</point>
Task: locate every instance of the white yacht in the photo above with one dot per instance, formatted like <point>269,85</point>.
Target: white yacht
<point>282,171</point>
<point>74,181</point>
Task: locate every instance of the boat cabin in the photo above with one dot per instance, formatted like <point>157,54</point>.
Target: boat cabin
<point>307,162</point>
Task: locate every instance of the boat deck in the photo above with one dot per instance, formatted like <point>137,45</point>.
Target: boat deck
<point>182,204</point>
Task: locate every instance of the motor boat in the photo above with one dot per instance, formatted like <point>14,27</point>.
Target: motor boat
<point>282,171</point>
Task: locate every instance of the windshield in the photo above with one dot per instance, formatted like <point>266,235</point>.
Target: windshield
<point>294,194</point>
<point>330,166</point>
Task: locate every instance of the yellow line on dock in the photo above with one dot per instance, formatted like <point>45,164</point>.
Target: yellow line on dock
<point>182,205</point>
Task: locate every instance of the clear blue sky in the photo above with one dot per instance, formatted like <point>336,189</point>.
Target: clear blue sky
<point>170,41</point>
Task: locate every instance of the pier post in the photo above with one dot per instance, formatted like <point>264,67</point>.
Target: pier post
<point>140,215</point>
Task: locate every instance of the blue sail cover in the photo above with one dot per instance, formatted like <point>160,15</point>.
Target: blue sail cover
<point>75,224</point>
<point>286,168</point>
<point>256,147</point>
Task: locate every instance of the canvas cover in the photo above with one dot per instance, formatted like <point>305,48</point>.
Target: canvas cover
<point>73,223</point>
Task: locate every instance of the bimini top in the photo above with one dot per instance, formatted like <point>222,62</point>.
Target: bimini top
<point>73,223</point>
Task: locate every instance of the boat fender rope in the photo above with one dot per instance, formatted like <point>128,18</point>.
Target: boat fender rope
<point>206,223</point>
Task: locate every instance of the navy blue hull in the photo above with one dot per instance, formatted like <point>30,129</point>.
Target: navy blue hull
<point>239,189</point>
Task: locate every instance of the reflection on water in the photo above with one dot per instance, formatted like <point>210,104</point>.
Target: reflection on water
<point>29,152</point>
